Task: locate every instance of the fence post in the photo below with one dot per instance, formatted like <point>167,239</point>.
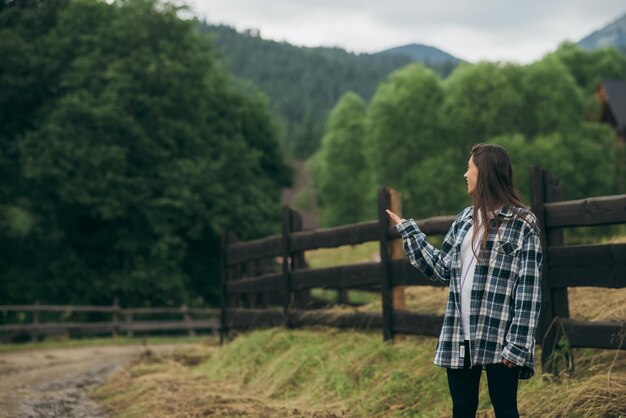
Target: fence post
<point>128,318</point>
<point>286,222</point>
<point>298,261</point>
<point>116,310</point>
<point>544,188</point>
<point>187,319</point>
<point>388,199</point>
<point>223,292</point>
<point>34,337</point>
<point>554,237</point>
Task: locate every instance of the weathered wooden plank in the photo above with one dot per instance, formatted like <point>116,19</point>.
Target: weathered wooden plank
<point>253,318</point>
<point>335,237</point>
<point>169,325</point>
<point>604,210</point>
<point>404,274</point>
<point>416,323</point>
<point>352,320</point>
<point>384,203</point>
<point>241,252</point>
<point>265,283</point>
<point>588,265</point>
<point>340,277</point>
<point>180,311</point>
<point>57,308</point>
<point>43,326</point>
<point>537,187</point>
<point>554,237</point>
<point>595,334</point>
<point>107,327</point>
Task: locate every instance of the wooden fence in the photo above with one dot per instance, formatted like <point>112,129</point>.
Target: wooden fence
<point>250,285</point>
<point>122,320</point>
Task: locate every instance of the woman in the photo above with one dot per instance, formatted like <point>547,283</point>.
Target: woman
<point>491,259</point>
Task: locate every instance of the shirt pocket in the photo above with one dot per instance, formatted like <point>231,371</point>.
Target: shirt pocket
<point>506,248</point>
<point>504,257</point>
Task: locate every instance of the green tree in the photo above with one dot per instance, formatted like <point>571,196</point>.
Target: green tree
<point>590,67</point>
<point>582,158</point>
<point>133,151</point>
<point>404,128</point>
<point>552,99</point>
<point>339,169</point>
<point>482,101</point>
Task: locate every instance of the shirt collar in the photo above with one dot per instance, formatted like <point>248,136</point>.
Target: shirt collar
<point>502,212</point>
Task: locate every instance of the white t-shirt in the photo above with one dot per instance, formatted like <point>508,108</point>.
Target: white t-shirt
<point>468,266</point>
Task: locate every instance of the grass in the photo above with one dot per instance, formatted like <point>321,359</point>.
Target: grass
<point>353,374</point>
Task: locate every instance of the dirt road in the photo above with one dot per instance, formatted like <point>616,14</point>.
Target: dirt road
<point>54,383</point>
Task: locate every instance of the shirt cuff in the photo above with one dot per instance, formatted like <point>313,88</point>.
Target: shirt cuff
<point>515,354</point>
<point>407,227</point>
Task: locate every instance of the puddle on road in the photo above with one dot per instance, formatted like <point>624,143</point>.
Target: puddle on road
<point>65,397</point>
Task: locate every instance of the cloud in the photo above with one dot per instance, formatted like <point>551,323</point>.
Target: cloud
<point>472,30</point>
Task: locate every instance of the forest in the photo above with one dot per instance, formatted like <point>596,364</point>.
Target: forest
<point>128,144</point>
<point>416,132</point>
<point>125,151</point>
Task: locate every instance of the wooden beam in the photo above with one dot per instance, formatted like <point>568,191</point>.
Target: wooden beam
<point>595,334</point>
<point>352,320</point>
<point>588,265</point>
<point>253,318</point>
<point>417,323</point>
<point>340,277</point>
<point>404,274</point>
<point>265,283</point>
<point>335,237</point>
<point>605,210</point>
<point>241,252</point>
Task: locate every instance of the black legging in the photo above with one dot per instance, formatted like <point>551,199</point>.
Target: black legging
<point>502,382</point>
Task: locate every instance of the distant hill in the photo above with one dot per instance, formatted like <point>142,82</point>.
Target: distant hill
<point>612,35</point>
<point>303,84</point>
<point>424,54</point>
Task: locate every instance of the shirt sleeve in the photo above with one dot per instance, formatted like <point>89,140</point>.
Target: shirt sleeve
<point>434,263</point>
<point>521,336</point>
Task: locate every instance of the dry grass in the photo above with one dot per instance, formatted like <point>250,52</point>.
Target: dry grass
<point>597,304</point>
<point>596,388</point>
<point>167,387</point>
<point>331,373</point>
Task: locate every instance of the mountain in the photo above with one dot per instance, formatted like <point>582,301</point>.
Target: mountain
<point>612,35</point>
<point>303,84</point>
<point>423,53</point>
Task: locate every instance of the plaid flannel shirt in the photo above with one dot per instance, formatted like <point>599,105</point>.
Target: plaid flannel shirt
<point>506,294</point>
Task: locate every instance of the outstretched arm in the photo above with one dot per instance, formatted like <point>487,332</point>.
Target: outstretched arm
<point>434,263</point>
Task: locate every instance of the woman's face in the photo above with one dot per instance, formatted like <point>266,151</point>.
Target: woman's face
<point>471,176</point>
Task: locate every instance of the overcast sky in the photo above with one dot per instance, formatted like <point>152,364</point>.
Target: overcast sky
<point>473,30</point>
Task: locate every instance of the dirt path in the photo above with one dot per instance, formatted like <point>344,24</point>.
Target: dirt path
<point>54,382</point>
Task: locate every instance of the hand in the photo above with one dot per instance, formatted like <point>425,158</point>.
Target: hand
<point>395,218</point>
<point>509,364</point>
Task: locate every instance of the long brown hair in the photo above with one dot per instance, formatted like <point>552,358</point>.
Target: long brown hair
<point>494,188</point>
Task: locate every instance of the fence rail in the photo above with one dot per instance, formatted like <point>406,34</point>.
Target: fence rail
<point>116,325</point>
<point>247,288</point>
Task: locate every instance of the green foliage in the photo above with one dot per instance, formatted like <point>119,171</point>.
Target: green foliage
<point>339,170</point>
<point>126,151</point>
<point>552,100</point>
<point>482,101</point>
<point>590,67</point>
<point>404,129</point>
<point>304,83</point>
<point>583,159</point>
<point>419,130</point>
